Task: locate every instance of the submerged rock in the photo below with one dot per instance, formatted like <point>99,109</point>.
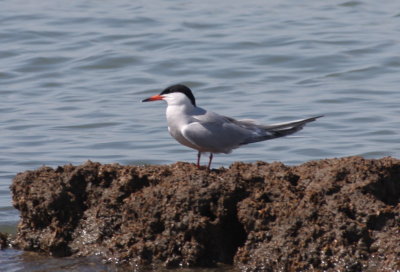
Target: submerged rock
<point>341,214</point>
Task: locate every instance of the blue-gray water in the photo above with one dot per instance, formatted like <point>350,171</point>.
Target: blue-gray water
<point>72,74</point>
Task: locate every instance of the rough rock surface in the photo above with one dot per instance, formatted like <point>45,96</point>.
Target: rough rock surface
<point>335,214</point>
<point>5,240</point>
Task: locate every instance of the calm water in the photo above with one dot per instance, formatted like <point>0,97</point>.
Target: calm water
<point>72,76</point>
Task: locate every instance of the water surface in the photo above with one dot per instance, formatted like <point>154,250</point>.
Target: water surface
<point>72,75</point>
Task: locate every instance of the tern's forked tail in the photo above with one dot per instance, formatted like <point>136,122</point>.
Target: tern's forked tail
<point>279,130</point>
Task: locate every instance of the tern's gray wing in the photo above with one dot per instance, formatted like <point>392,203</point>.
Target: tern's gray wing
<point>217,135</point>
<point>220,134</point>
<point>267,132</point>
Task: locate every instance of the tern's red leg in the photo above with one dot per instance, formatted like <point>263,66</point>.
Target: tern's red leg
<point>209,162</point>
<point>198,159</point>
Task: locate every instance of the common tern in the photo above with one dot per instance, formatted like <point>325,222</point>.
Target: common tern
<point>209,132</point>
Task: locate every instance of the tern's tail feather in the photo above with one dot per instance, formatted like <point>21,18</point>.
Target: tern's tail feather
<point>278,130</point>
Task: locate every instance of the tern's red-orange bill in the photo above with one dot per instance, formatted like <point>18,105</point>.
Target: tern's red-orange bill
<point>153,98</point>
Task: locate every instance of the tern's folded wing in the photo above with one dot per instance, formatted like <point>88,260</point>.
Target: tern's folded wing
<point>295,123</point>
<point>215,137</point>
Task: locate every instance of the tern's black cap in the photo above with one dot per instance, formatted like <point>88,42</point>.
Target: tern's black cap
<point>179,88</point>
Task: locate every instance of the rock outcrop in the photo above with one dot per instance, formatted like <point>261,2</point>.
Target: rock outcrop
<point>334,214</point>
